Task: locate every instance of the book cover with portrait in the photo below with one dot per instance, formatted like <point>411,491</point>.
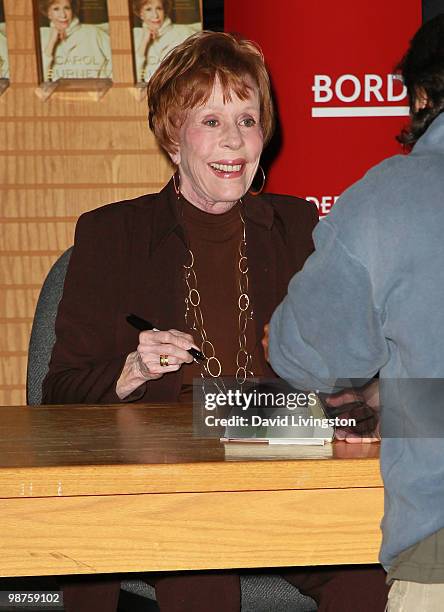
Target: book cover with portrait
<point>4,57</point>
<point>74,42</point>
<point>157,27</point>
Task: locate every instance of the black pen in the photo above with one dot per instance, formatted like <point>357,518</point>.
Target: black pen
<point>143,325</point>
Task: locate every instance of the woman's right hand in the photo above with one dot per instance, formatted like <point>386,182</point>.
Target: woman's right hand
<point>148,37</point>
<point>172,343</point>
<point>152,34</point>
<point>145,363</point>
<point>56,36</point>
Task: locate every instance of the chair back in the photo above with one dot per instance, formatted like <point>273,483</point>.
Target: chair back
<point>43,329</point>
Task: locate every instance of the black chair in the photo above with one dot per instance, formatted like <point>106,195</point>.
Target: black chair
<point>260,592</point>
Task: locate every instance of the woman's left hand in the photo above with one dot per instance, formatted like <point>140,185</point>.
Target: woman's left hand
<point>265,340</point>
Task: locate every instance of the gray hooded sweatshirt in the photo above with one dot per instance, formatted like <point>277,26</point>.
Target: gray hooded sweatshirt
<point>371,299</point>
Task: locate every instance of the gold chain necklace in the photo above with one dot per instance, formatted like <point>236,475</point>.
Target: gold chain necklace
<point>194,316</point>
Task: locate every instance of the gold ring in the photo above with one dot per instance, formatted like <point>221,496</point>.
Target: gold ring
<point>163,360</point>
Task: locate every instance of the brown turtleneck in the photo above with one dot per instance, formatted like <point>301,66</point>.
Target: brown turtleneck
<point>214,241</point>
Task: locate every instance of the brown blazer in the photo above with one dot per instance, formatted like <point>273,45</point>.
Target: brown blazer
<point>128,257</point>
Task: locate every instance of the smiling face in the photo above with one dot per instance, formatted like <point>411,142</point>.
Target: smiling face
<point>60,14</point>
<point>219,149</point>
<point>152,14</point>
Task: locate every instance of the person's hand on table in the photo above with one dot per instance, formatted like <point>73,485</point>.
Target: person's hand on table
<point>361,405</point>
<point>158,353</point>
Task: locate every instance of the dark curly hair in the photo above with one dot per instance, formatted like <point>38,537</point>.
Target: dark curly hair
<point>422,69</point>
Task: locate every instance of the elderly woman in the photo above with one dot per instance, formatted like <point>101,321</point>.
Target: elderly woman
<point>70,49</point>
<point>206,262</point>
<point>4,58</point>
<point>157,36</point>
<point>4,62</point>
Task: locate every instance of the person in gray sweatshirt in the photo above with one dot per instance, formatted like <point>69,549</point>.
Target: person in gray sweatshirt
<point>371,300</point>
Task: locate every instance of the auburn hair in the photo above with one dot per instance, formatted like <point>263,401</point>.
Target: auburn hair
<point>45,4</point>
<point>138,4</point>
<point>186,77</point>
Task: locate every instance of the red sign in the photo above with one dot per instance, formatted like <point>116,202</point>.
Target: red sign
<point>339,105</point>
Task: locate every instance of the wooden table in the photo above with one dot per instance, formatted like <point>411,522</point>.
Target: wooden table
<point>87,489</point>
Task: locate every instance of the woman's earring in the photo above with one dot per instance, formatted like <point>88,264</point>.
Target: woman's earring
<point>176,187</point>
<point>253,191</point>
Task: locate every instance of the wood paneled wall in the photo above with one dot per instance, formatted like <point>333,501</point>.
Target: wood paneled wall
<point>58,159</point>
